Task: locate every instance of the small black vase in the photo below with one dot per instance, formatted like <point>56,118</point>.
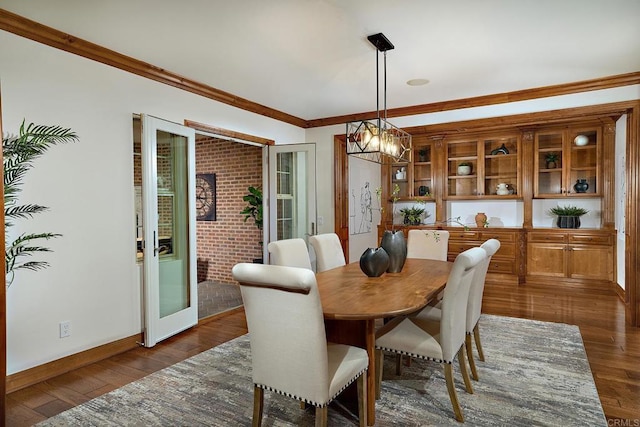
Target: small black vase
<point>581,186</point>
<point>374,262</point>
<point>396,246</point>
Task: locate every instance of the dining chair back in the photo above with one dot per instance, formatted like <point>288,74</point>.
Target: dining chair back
<point>290,354</point>
<point>437,340</point>
<point>328,251</point>
<point>289,253</point>
<point>428,244</point>
<point>474,307</point>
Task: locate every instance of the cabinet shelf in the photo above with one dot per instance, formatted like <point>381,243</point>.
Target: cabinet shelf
<point>509,156</point>
<point>462,176</point>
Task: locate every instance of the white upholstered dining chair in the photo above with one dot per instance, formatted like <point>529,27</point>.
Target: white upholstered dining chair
<point>328,251</point>
<point>474,306</point>
<point>290,354</point>
<point>435,340</point>
<point>289,253</point>
<point>428,244</point>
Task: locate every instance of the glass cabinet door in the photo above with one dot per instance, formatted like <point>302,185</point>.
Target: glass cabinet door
<point>501,167</point>
<point>423,170</point>
<point>567,163</point>
<point>583,170</point>
<point>549,162</point>
<point>462,169</point>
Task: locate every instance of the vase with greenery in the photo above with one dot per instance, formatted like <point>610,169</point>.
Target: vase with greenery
<point>568,216</point>
<point>253,209</point>
<point>19,153</point>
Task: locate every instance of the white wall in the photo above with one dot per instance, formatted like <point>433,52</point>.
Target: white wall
<point>92,281</point>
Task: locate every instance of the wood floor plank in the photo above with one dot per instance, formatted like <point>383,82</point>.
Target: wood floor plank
<point>612,348</point>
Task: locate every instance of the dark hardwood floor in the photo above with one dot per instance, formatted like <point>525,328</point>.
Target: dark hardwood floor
<point>612,347</point>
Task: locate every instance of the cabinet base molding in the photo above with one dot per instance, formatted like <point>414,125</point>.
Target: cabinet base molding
<point>621,292</point>
<point>589,284</point>
<point>502,279</point>
<point>40,373</point>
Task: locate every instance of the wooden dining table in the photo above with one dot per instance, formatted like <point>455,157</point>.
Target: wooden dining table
<point>351,303</point>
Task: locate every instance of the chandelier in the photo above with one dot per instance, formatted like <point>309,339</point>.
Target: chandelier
<point>377,140</point>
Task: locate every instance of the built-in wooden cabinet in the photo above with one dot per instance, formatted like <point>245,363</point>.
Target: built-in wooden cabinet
<point>561,254</point>
<point>518,157</point>
<point>578,157</point>
<point>507,264</point>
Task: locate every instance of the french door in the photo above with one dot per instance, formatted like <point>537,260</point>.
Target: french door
<point>292,191</point>
<point>168,218</point>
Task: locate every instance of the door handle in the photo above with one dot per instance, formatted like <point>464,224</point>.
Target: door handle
<point>156,247</point>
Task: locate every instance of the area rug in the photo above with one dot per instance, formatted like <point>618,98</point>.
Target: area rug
<point>535,374</point>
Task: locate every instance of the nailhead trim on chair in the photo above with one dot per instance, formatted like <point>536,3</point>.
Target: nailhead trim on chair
<point>320,405</point>
<point>406,353</point>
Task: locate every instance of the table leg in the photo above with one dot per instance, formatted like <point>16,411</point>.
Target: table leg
<point>370,343</point>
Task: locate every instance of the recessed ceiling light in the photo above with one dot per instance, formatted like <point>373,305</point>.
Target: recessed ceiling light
<point>417,82</point>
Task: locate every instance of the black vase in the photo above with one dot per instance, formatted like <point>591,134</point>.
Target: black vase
<point>374,262</point>
<point>396,246</point>
<point>568,221</point>
<point>581,186</point>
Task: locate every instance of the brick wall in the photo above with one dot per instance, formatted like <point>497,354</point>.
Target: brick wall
<point>229,240</point>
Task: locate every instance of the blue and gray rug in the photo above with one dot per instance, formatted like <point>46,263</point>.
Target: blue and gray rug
<point>535,374</point>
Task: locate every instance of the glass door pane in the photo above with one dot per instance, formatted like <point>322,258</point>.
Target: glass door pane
<point>292,189</point>
<point>549,163</point>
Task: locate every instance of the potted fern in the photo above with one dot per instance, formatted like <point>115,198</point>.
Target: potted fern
<point>253,210</point>
<point>568,216</point>
<point>19,152</point>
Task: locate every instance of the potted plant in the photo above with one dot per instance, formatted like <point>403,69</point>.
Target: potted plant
<point>254,210</point>
<point>19,153</point>
<point>464,168</point>
<point>552,160</point>
<point>412,215</point>
<point>568,216</point>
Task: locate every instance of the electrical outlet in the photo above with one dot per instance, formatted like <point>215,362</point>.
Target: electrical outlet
<point>65,329</point>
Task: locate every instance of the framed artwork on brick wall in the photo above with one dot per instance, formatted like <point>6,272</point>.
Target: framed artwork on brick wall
<point>206,197</point>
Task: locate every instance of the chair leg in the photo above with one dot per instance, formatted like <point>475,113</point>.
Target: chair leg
<point>448,373</point>
<point>258,404</point>
<point>379,363</point>
<point>321,416</point>
<point>398,364</point>
<point>472,363</point>
<point>476,337</point>
<point>362,399</point>
<point>463,369</point>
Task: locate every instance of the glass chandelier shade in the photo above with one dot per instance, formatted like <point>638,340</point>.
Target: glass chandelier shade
<point>377,140</point>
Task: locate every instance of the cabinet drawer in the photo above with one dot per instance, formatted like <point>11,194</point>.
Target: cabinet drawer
<point>458,247</point>
<point>502,266</point>
<point>597,239</point>
<point>547,237</point>
<point>503,237</point>
<point>464,235</point>
<point>507,250</point>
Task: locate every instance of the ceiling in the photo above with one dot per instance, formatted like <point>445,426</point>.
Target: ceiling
<point>311,58</point>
